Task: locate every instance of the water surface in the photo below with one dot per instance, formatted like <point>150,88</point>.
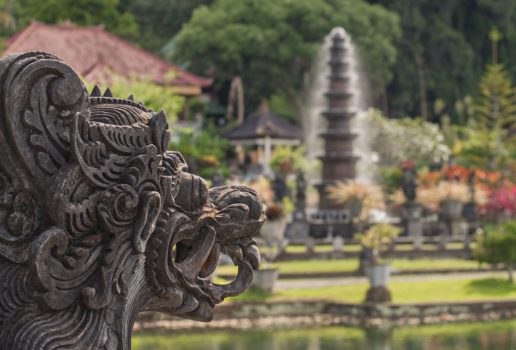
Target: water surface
<point>474,336</point>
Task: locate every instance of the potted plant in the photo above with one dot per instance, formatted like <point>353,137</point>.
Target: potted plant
<point>377,240</point>
<point>357,198</point>
<point>271,239</point>
<point>272,244</point>
<point>273,228</point>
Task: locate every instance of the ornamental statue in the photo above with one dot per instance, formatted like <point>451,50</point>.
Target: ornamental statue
<point>99,221</point>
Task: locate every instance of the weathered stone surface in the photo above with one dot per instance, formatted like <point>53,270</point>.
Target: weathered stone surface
<point>98,220</point>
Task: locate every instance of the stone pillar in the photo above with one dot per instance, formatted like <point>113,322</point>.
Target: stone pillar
<point>411,214</point>
<point>299,228</point>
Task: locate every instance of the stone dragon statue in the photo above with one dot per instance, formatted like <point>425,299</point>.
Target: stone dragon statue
<point>98,220</point>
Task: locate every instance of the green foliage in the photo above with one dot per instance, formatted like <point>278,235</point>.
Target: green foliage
<point>498,245</point>
<point>390,178</point>
<point>7,19</point>
<point>496,107</point>
<point>160,20</point>
<point>451,40</point>
<point>287,159</point>
<point>204,151</point>
<point>153,96</point>
<point>479,147</point>
<point>486,141</point>
<point>378,238</point>
<point>281,105</point>
<point>81,12</point>
<point>271,44</point>
<point>397,140</point>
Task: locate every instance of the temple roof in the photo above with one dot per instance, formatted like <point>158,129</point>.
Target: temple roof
<point>264,124</point>
<point>98,56</point>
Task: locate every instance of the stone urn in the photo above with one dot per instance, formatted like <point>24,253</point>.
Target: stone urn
<point>273,230</point>
<point>265,279</point>
<point>451,209</point>
<point>378,275</point>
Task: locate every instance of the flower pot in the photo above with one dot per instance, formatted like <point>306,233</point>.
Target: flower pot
<point>378,275</point>
<point>273,230</point>
<point>265,279</point>
<point>451,209</point>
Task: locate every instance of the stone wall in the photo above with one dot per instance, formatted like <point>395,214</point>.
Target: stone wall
<point>299,314</point>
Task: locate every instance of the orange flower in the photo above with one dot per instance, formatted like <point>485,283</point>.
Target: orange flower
<point>456,172</point>
<point>487,177</point>
<point>430,178</point>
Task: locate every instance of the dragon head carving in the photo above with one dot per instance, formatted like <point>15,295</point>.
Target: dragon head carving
<point>98,220</point>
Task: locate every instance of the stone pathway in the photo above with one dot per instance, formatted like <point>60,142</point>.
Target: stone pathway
<point>330,282</point>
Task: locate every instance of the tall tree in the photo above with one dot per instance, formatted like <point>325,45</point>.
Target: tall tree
<point>496,108</point>
<point>449,40</point>
<point>271,44</point>
<point>160,20</point>
<point>82,12</point>
<point>487,139</point>
<point>435,60</point>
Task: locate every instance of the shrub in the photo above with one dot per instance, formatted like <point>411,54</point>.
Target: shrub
<point>497,244</point>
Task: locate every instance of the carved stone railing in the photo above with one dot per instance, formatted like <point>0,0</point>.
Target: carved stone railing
<point>98,220</point>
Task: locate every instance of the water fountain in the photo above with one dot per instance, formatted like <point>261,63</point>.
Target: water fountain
<point>316,103</point>
<point>339,161</point>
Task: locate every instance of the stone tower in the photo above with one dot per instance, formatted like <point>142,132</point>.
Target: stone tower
<point>338,160</point>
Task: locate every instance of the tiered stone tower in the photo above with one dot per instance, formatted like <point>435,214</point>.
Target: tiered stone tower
<point>338,160</point>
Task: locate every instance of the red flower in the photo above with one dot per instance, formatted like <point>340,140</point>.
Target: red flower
<point>456,172</point>
<point>502,201</point>
<point>407,164</point>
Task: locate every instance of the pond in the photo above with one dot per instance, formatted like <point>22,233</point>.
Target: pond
<point>472,336</point>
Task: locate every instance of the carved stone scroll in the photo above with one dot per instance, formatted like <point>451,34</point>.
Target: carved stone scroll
<point>98,220</point>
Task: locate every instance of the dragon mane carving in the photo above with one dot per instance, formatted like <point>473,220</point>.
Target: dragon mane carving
<point>98,220</point>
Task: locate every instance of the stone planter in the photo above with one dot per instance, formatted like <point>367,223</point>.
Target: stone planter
<point>354,207</point>
<point>273,230</point>
<point>265,279</point>
<point>451,209</point>
<point>378,275</point>
<point>451,214</point>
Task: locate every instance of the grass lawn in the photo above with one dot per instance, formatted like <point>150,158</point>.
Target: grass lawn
<point>410,247</point>
<point>403,292</point>
<point>349,265</point>
<point>302,249</point>
<point>293,249</point>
